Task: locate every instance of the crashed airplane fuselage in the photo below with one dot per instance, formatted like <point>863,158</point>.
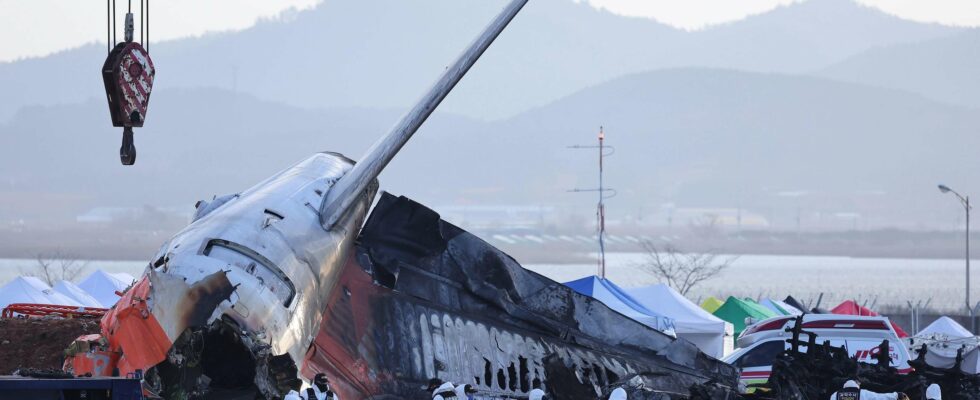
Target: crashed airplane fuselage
<point>242,288</point>
<point>277,283</point>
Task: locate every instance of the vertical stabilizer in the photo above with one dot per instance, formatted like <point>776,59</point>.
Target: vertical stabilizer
<point>346,190</point>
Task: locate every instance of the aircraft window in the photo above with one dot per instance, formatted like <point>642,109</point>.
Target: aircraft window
<point>268,275</point>
<point>762,355</point>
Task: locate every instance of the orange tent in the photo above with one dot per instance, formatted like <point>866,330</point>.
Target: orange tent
<point>850,307</point>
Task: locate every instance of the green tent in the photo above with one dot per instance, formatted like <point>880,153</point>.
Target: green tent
<point>736,310</point>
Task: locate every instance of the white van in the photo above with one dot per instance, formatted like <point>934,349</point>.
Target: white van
<point>761,342</point>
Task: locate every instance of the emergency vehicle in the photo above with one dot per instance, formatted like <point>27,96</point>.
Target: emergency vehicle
<point>761,342</point>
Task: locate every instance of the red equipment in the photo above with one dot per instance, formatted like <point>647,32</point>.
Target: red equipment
<point>41,310</point>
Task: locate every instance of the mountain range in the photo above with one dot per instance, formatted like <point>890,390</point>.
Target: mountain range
<point>813,110</point>
<point>697,137</point>
<point>384,53</point>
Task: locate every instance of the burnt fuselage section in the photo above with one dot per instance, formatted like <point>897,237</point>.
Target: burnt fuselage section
<point>421,298</point>
<point>242,287</point>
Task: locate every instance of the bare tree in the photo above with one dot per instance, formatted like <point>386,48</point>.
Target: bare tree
<point>55,267</point>
<point>682,270</point>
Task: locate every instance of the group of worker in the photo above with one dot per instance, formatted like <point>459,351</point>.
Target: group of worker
<point>320,390</point>
<point>446,390</point>
<point>852,391</point>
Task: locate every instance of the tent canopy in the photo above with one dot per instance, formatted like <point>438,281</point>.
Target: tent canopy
<point>103,286</point>
<point>735,311</point>
<point>28,289</point>
<point>851,307</point>
<point>617,299</point>
<point>778,307</point>
<point>76,293</point>
<point>687,316</point>
<point>787,307</point>
<point>971,362</point>
<point>711,304</point>
<point>761,308</point>
<point>946,326</point>
<point>691,322</point>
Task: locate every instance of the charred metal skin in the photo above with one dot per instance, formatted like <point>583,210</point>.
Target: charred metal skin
<point>421,298</point>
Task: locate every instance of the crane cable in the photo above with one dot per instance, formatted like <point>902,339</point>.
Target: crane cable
<point>110,22</point>
<point>147,20</point>
<point>110,6</point>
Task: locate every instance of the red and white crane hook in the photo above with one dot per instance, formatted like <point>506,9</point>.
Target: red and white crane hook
<point>128,74</point>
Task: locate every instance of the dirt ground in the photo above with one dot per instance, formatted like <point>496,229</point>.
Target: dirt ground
<point>39,343</point>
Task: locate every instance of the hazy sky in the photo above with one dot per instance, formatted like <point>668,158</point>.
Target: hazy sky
<point>693,14</point>
<point>39,27</point>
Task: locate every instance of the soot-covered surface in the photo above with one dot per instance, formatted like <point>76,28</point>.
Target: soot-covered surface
<point>423,298</point>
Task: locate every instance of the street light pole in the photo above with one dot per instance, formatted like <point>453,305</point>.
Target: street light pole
<point>965,201</point>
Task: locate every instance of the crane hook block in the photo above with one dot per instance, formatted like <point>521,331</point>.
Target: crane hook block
<point>128,76</point>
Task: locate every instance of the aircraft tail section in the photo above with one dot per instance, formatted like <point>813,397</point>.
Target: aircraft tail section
<point>345,192</point>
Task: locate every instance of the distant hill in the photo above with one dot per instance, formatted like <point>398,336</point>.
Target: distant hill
<point>944,69</point>
<point>795,37</point>
<point>716,138</point>
<point>690,137</point>
<point>385,53</point>
<point>58,161</point>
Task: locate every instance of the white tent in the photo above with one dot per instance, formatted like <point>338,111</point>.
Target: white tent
<point>971,362</point>
<point>691,322</point>
<point>947,327</point>
<point>28,289</point>
<point>617,299</point>
<point>943,339</point>
<point>943,355</point>
<point>76,293</point>
<point>103,286</point>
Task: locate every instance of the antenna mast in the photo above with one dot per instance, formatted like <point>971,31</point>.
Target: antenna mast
<point>601,207</point>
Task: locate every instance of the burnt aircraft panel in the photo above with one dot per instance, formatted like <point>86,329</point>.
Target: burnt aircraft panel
<point>421,298</point>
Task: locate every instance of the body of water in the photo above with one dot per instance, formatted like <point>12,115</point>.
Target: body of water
<point>879,281</point>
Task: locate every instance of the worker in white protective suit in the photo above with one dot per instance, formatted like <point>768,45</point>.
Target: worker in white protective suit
<point>934,392</point>
<point>618,394</point>
<point>445,391</point>
<point>319,391</point>
<point>852,391</point>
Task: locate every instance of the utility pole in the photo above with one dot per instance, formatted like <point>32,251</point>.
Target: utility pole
<point>965,201</point>
<point>600,208</point>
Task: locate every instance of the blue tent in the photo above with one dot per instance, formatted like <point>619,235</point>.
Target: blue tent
<point>617,299</point>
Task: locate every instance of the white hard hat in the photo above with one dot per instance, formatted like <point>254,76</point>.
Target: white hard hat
<point>933,392</point>
<point>618,394</point>
<point>851,384</point>
<point>536,394</point>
